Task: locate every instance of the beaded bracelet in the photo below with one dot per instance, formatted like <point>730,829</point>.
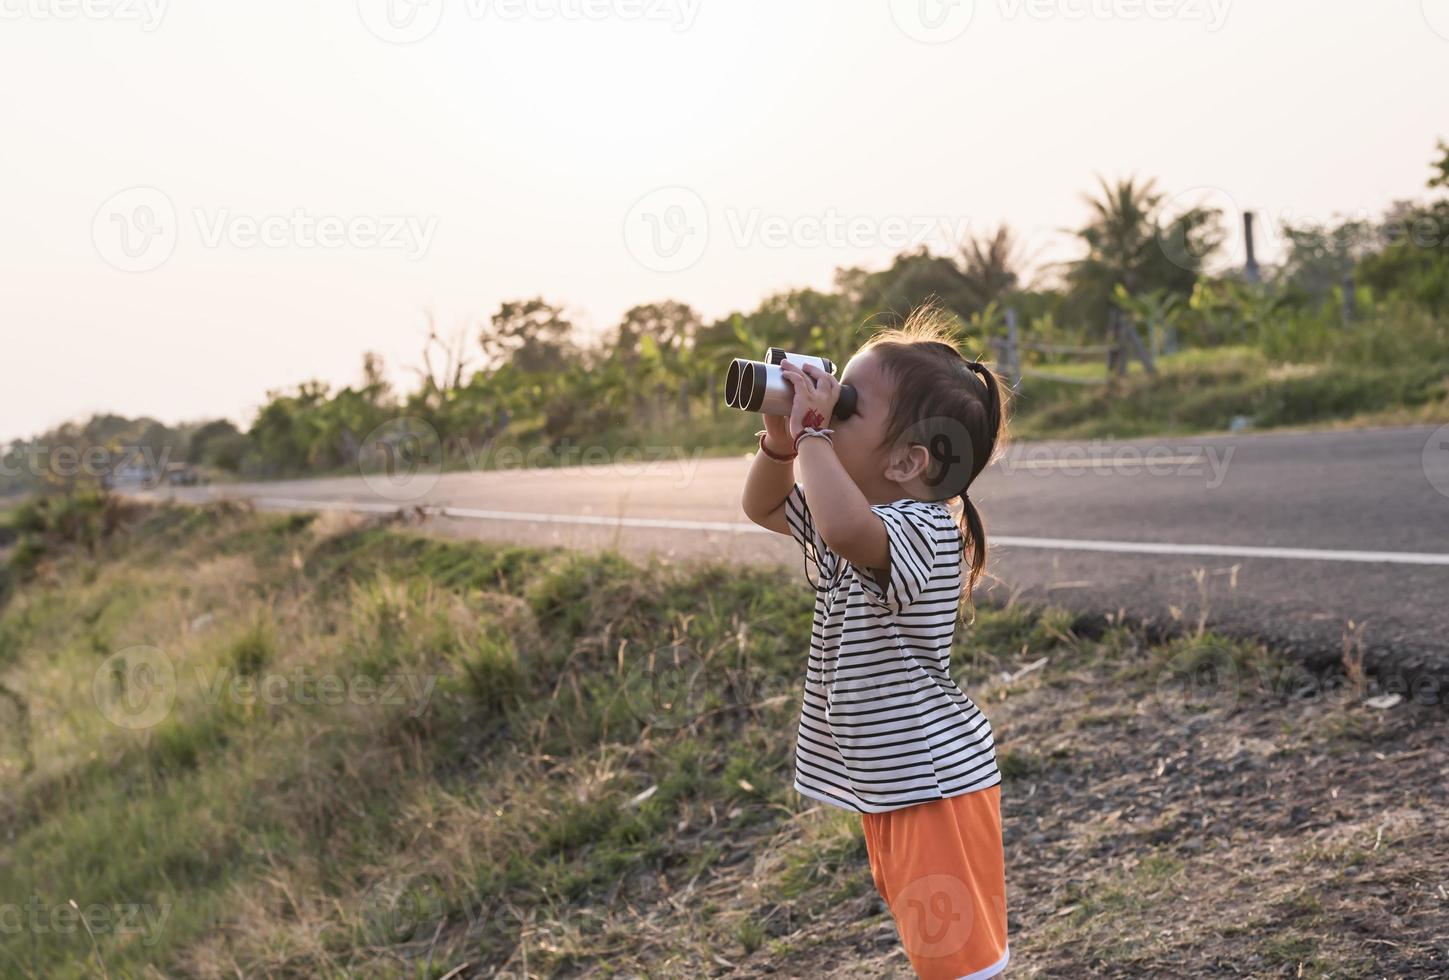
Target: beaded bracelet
<point>775,456</point>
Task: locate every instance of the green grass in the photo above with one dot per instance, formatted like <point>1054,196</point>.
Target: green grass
<point>1204,391</point>
<point>320,747</point>
<point>277,810</point>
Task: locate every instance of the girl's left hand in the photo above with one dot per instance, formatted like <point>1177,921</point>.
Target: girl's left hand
<point>816,392</point>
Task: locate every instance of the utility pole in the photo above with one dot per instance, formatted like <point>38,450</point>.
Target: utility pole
<point>1250,267</point>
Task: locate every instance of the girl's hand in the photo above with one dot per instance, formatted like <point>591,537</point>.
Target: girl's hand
<point>816,392</point>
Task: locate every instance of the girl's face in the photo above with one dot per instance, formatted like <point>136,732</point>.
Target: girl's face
<point>857,439</point>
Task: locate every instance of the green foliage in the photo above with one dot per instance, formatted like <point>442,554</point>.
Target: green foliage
<point>87,455</point>
<point>1131,244</point>
<point>218,444</point>
<point>1204,391</point>
<point>654,379</point>
<point>535,786</point>
<point>1414,266</point>
<point>253,649</point>
<point>527,389</point>
<point>220,795</point>
<point>47,524</point>
<point>532,335</point>
<point>495,675</point>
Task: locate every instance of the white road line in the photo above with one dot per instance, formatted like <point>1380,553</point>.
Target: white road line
<point>1222,550</point>
<point>1010,463</point>
<point>740,527</point>
<point>468,513</point>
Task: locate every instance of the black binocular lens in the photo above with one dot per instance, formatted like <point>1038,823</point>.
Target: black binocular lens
<point>734,382</point>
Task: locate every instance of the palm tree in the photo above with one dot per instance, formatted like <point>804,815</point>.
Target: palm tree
<point>1125,246</point>
<point>1118,236</point>
<point>989,267</point>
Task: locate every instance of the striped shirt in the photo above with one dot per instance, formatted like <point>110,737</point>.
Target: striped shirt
<point>883,725</point>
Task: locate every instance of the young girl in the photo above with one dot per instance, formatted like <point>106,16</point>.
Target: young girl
<point>884,730</point>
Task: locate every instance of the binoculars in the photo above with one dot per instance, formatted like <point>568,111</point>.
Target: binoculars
<point>759,386</point>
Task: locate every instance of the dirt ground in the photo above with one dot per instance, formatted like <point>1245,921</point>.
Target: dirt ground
<point>1275,830</point>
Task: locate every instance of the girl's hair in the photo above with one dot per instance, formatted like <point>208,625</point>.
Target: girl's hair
<point>940,394</point>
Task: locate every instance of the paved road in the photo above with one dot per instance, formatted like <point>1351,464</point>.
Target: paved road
<point>1290,537</point>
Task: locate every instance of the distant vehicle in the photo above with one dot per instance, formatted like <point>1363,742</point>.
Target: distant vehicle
<point>129,475</point>
<point>182,475</point>
<point>139,476</point>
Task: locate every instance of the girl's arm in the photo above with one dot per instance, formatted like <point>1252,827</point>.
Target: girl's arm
<point>770,481</point>
<point>841,512</point>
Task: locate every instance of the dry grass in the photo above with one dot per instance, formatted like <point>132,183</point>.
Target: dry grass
<point>597,782</point>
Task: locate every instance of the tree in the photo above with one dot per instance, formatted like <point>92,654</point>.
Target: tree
<point>912,279</point>
<point>1440,177</point>
<point>990,267</point>
<point>672,326</point>
<point>1130,243</point>
<point>806,321</point>
<point>286,429</point>
<point>531,335</point>
<point>1321,256</point>
<point>1414,264</point>
<point>1158,312</point>
<point>444,362</point>
<point>375,387</point>
<point>652,349</point>
<point>219,444</point>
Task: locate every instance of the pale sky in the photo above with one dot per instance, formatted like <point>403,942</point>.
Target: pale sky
<point>204,201</point>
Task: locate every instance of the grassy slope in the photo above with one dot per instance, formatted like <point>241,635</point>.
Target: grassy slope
<point>599,781</point>
<point>1203,391</point>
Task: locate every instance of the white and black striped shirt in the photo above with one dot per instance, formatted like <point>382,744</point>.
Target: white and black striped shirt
<point>883,725</point>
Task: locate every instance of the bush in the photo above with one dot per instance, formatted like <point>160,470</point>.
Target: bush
<point>43,525</point>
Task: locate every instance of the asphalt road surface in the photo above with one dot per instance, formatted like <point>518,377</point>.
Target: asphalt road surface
<point>1307,540</point>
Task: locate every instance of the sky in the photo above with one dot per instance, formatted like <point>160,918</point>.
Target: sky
<point>205,202</point>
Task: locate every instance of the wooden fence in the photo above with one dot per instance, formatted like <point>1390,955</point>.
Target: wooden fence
<point>1124,344</point>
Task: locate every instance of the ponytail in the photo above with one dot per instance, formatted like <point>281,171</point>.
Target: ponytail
<point>973,530</point>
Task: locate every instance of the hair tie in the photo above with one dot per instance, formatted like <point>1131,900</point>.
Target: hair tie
<point>993,395</point>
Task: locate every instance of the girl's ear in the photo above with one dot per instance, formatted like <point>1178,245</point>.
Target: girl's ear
<point>908,462</point>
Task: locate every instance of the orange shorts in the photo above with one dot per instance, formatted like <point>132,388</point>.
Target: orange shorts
<point>940,868</point>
